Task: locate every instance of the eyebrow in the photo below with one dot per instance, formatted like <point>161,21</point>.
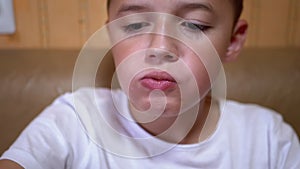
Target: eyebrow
<point>131,8</point>
<point>197,5</point>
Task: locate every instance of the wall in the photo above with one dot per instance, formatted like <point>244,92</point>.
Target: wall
<point>69,23</point>
<point>273,23</point>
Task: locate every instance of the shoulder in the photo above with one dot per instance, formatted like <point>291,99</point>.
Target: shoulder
<point>252,113</point>
<point>68,107</point>
<point>254,120</point>
<point>268,129</point>
<point>58,135</point>
<point>83,97</point>
<point>98,95</point>
<point>261,130</point>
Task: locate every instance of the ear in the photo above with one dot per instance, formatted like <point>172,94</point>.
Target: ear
<point>237,40</point>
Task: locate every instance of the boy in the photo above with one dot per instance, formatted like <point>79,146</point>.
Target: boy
<point>168,118</point>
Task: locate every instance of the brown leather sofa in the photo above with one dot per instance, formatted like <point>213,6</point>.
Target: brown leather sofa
<point>31,79</point>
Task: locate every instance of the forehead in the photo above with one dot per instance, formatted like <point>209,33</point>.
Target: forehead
<point>119,7</point>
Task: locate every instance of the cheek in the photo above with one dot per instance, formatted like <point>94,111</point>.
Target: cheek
<point>200,74</point>
<point>201,68</point>
<point>126,48</point>
<point>119,52</point>
<point>220,37</point>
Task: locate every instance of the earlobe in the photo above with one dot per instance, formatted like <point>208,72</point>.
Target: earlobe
<point>237,40</point>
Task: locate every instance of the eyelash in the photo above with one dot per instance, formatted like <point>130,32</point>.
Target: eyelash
<point>195,26</point>
<point>134,27</point>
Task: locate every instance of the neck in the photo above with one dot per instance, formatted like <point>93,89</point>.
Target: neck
<point>191,126</point>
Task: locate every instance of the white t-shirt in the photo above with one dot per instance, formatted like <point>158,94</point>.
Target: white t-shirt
<point>247,137</point>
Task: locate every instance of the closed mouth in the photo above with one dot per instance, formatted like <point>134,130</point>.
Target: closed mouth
<point>158,80</point>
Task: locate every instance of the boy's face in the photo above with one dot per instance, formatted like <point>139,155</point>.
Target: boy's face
<point>214,18</point>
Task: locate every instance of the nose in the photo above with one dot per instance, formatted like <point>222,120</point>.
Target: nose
<point>162,49</point>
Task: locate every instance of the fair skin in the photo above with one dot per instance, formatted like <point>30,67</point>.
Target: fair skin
<point>227,38</point>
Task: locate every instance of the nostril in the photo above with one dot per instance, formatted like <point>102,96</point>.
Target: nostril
<point>171,57</point>
<point>159,56</point>
<point>151,56</point>
<point>153,59</point>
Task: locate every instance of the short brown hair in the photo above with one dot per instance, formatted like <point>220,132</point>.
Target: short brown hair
<point>238,8</point>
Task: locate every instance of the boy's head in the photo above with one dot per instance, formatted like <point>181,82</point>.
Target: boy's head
<point>158,62</point>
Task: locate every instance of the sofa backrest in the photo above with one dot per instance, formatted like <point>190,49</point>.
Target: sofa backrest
<point>31,79</point>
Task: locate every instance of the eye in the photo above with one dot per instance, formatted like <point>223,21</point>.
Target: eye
<point>135,27</point>
<point>194,26</point>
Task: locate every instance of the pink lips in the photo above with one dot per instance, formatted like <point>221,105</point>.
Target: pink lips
<point>158,80</point>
